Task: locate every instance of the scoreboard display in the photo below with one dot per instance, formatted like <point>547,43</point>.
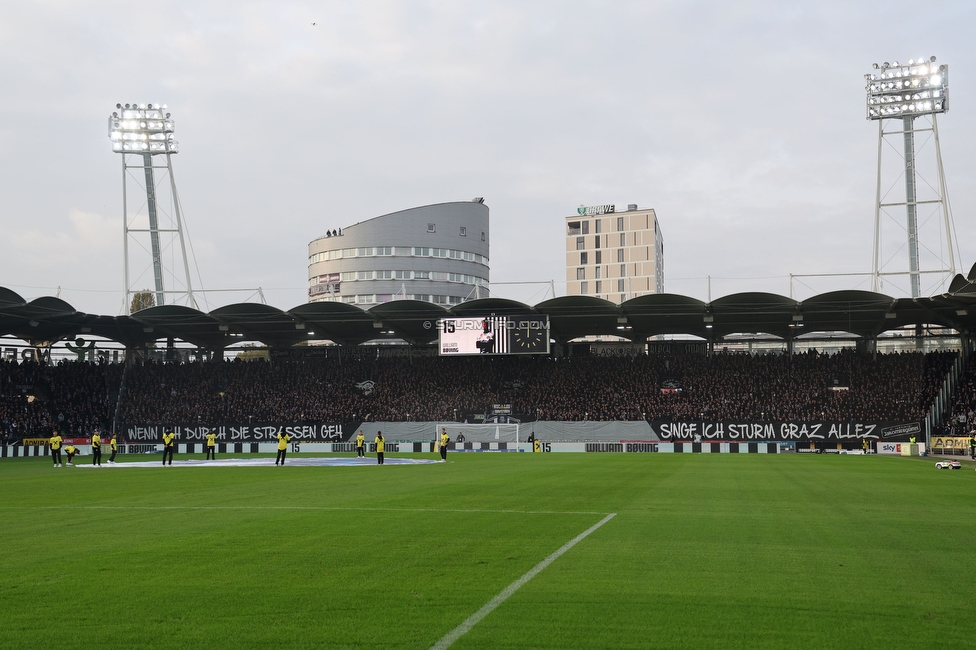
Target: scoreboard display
<point>518,334</point>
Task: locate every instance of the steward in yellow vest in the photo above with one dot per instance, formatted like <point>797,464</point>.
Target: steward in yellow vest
<point>380,446</point>
<point>211,446</point>
<point>169,445</point>
<point>283,440</point>
<point>56,449</point>
<point>96,444</point>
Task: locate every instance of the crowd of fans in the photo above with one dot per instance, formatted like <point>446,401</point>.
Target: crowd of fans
<point>75,397</point>
<point>960,418</point>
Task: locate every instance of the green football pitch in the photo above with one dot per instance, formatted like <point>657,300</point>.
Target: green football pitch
<point>703,551</point>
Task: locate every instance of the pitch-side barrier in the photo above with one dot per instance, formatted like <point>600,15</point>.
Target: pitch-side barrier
<point>415,447</point>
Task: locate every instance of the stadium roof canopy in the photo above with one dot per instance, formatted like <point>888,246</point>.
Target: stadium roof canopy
<point>47,320</point>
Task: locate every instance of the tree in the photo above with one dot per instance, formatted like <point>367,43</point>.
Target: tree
<point>142,300</point>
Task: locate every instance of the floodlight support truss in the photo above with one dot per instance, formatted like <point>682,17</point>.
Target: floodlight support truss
<point>907,132</point>
<point>160,293</point>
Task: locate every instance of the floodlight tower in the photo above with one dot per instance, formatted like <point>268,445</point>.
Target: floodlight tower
<point>896,96</point>
<point>142,133</point>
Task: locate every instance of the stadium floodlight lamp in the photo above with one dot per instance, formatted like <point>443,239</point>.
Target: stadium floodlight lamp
<point>142,128</point>
<point>921,87</point>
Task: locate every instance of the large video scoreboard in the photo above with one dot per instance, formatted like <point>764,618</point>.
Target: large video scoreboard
<point>514,334</point>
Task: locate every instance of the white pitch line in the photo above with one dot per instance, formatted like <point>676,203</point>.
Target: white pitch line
<point>323,508</point>
<point>490,606</point>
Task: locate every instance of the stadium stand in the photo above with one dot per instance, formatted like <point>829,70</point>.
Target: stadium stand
<point>76,397</point>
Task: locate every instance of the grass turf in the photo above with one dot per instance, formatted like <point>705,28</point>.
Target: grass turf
<point>706,551</point>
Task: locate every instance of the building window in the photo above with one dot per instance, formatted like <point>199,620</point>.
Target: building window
<point>598,228</point>
<point>348,276</point>
<point>599,284</point>
<point>599,257</point>
<point>574,228</point>
<point>384,275</point>
<point>623,297</point>
<point>402,275</point>
<point>620,255</point>
<point>583,257</point>
<point>597,241</point>
<point>384,251</point>
<point>583,287</point>
<point>623,239</point>
<point>580,274</point>
<point>364,275</point>
<point>581,243</point>
<point>421,275</point>
<point>623,270</point>
<point>431,227</point>
<point>585,228</point>
<point>620,224</point>
<point>620,286</point>
<point>482,236</point>
<point>464,231</point>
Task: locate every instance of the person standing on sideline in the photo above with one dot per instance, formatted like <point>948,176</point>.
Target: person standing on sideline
<point>56,448</point>
<point>114,446</point>
<point>283,440</point>
<point>380,445</point>
<point>360,445</point>
<point>211,446</point>
<point>169,444</point>
<point>864,445</point>
<point>96,443</point>
<point>445,440</point>
<point>70,450</point>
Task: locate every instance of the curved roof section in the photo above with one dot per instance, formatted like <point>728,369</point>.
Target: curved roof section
<point>486,306</point>
<point>47,320</point>
<point>415,321</point>
<point>665,313</point>
<point>752,312</point>
<point>340,323</point>
<point>571,317</point>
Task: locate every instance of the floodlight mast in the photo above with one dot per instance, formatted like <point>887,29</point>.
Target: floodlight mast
<point>141,132</point>
<point>903,93</point>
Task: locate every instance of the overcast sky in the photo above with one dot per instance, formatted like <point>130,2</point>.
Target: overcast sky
<point>741,123</point>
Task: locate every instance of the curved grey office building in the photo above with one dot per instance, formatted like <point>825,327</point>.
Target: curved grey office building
<point>436,253</point>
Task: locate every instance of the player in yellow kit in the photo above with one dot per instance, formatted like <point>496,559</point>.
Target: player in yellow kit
<point>211,446</point>
<point>114,446</point>
<point>70,451</point>
<point>360,445</point>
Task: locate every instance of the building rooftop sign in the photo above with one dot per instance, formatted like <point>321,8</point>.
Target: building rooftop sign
<point>595,209</point>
